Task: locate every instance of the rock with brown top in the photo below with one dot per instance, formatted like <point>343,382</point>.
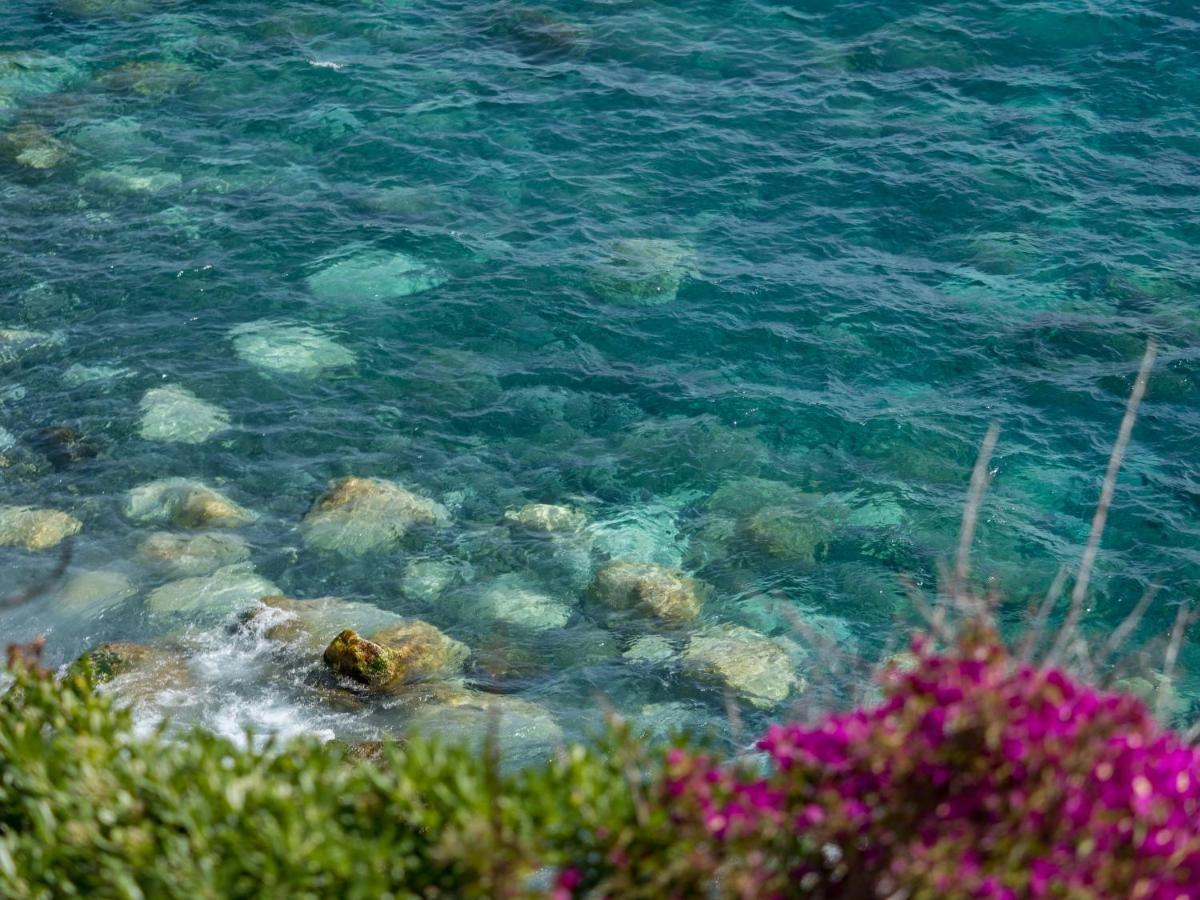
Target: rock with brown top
<point>403,654</point>
<point>360,515</point>
<point>35,529</point>
<point>184,503</point>
<point>646,589</point>
<point>752,665</point>
<point>546,517</point>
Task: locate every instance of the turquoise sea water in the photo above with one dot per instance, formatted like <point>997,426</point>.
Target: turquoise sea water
<point>616,255</point>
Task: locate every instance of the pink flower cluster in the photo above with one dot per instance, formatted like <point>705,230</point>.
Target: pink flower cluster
<point>976,777</point>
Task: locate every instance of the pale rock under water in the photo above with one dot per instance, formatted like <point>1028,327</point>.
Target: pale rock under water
<point>91,593</point>
<point>373,277</point>
<point>176,415</point>
<point>757,668</point>
<point>225,591</point>
<point>643,271</point>
<point>191,554</point>
<point>361,515</point>
<point>284,349</point>
<point>510,600</point>
<point>184,503</point>
<point>16,343</point>
<point>35,529</point>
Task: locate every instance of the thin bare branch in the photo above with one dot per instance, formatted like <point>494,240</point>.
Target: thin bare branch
<point>1122,631</point>
<point>1090,551</point>
<point>1037,627</point>
<point>1182,619</point>
<point>38,588</point>
<point>966,533</point>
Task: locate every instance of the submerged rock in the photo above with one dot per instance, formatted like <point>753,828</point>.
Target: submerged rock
<point>753,665</point>
<point>149,78</point>
<point>132,180</point>
<point>745,496</point>
<point>521,727</point>
<point>117,9</point>
<point>650,648</point>
<point>63,445</point>
<point>35,529</point>
<point>224,591</point>
<point>33,147</point>
<point>402,654</point>
<point>646,589</point>
<point>428,579</point>
<point>799,533</point>
<point>90,593</point>
<point>184,503</point>
<point>647,533</point>
<point>373,277</point>
<point>509,600</point>
<point>546,517</point>
<point>643,271</point>
<point>176,415</point>
<point>359,515</point>
<point>17,342</point>
<point>77,375</point>
<point>29,72</point>
<point>137,673</point>
<point>289,349</point>
<point>187,554</point>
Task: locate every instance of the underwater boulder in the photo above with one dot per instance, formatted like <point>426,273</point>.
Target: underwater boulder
<point>35,529</point>
<point>646,589</point>
<point>124,179</point>
<point>797,532</point>
<point>359,515</point>
<point>16,343</point>
<point>155,79</point>
<point>509,599</point>
<point>191,554</point>
<point>308,623</point>
<point>91,593</point>
<point>25,73</point>
<point>184,503</point>
<point>523,729</point>
<point>282,349</point>
<point>33,147</point>
<point>642,271</point>
<point>546,517</point>
<point>373,277</point>
<point>649,648</point>
<point>754,666</point>
<point>226,590</point>
<point>175,415</point>
<point>428,579</point>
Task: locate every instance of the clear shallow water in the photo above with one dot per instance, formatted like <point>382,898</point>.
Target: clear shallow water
<point>890,224</point>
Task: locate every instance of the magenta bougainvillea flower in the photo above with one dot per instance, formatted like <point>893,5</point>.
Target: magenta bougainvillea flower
<point>976,777</point>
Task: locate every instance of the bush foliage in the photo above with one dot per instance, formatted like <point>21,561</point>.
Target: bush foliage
<point>975,777</point>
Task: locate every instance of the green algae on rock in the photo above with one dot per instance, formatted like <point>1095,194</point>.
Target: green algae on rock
<point>400,655</point>
<point>360,515</point>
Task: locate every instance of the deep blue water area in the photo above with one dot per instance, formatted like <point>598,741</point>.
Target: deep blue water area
<point>619,256</point>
